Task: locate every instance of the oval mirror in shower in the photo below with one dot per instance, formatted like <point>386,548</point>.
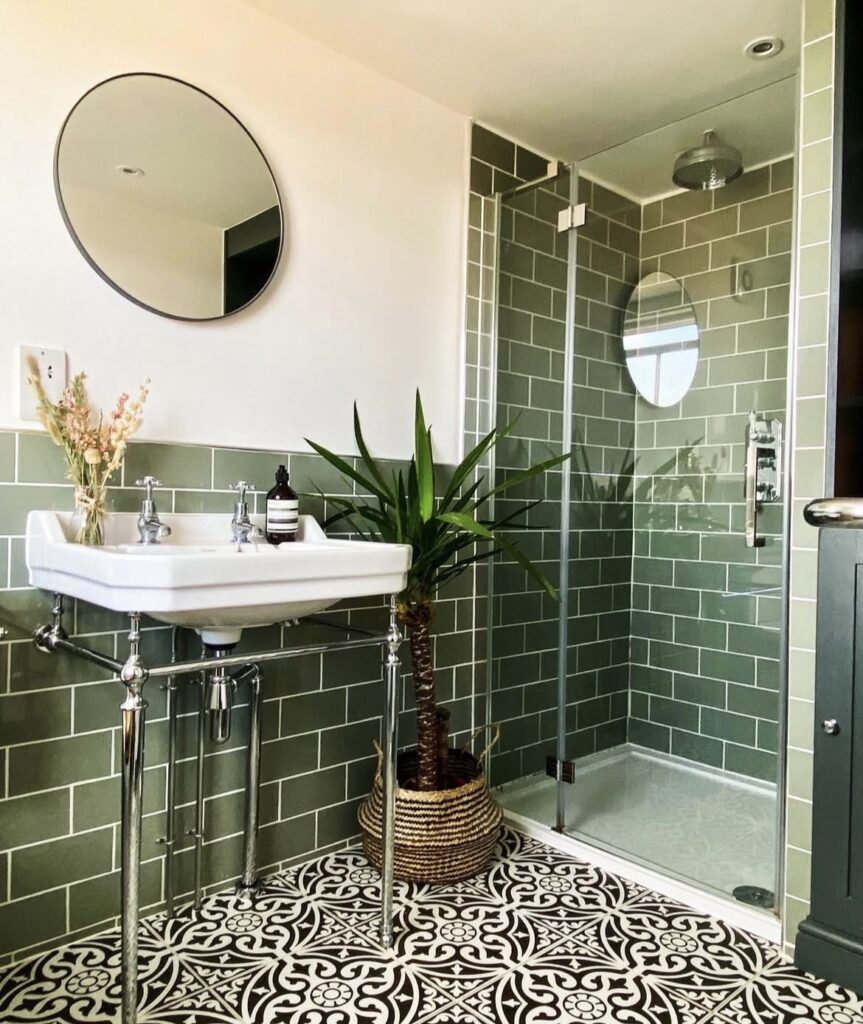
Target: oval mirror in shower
<point>660,339</point>
<point>168,197</point>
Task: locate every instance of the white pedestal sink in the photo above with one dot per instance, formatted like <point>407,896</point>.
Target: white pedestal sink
<point>199,578</point>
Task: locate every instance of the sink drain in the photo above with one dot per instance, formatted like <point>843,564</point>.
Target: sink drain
<point>754,896</point>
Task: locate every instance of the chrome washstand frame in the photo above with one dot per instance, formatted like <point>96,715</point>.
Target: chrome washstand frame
<point>134,673</point>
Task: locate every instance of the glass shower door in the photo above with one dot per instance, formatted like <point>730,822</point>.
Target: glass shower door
<point>672,636</point>
<point>531,311</point>
<point>677,637</point>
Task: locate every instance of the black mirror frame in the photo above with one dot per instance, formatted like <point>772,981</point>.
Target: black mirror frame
<point>80,245</point>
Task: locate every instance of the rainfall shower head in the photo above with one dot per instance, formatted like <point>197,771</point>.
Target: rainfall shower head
<point>711,165</point>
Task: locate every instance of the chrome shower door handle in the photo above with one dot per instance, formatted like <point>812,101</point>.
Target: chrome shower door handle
<point>844,512</point>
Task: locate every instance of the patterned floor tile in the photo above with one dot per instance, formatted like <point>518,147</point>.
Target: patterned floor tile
<point>463,943</point>
<point>343,881</point>
<point>577,987</point>
<point>781,994</point>
<point>229,933</point>
<point>81,982</point>
<point>678,948</point>
<point>551,887</point>
<point>345,982</point>
<point>538,937</point>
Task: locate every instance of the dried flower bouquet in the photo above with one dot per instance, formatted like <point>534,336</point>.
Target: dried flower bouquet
<point>94,446</point>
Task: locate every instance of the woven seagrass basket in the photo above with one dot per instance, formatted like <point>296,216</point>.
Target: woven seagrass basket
<point>441,835</point>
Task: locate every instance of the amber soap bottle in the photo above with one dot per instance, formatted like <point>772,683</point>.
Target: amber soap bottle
<point>283,511</point>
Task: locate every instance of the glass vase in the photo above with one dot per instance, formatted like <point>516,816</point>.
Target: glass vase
<point>89,516</point>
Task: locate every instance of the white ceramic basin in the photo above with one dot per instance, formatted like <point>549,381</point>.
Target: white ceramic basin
<point>198,577</point>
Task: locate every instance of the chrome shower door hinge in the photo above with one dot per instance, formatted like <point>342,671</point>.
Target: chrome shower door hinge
<point>572,217</point>
<point>562,771</point>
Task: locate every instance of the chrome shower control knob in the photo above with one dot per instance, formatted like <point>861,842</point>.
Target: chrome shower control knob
<point>830,726</point>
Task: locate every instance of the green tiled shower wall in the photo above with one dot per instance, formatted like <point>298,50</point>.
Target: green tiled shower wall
<point>706,609</point>
<point>59,718</point>
<point>674,623</point>
<point>816,269</point>
<point>813,203</point>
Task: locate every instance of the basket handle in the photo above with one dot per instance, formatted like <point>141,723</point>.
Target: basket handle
<point>379,771</point>
<point>494,728</point>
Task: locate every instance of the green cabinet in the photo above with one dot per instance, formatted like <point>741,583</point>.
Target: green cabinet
<point>830,940</point>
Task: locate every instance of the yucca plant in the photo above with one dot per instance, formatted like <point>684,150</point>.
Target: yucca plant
<point>402,508</point>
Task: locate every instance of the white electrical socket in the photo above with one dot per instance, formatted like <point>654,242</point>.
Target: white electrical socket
<point>52,370</point>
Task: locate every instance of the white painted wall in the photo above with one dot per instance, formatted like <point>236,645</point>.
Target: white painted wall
<point>368,300</point>
<point>166,261</point>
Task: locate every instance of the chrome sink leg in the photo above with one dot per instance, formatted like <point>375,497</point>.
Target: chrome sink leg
<point>133,711</point>
<point>390,738</point>
<point>247,886</point>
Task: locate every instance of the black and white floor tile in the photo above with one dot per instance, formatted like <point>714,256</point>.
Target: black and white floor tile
<point>539,938</point>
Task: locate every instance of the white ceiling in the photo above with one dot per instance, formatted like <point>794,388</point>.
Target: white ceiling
<point>568,77</point>
<point>198,162</point>
<point>760,125</point>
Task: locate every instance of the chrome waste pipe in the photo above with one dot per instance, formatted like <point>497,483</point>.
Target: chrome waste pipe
<point>219,700</point>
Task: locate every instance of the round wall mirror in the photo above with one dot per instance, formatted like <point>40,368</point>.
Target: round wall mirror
<point>660,339</point>
<point>168,197</point>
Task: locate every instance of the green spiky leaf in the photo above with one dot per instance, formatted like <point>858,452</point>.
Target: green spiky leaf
<point>424,463</point>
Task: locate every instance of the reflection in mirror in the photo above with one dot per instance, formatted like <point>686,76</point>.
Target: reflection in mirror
<point>660,339</point>
<point>168,197</point>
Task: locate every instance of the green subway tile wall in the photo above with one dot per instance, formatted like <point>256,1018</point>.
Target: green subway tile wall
<point>674,623</point>
<point>810,387</point>
<point>706,609</point>
<point>59,718</point>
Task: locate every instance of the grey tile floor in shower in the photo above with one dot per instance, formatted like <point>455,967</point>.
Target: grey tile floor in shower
<point>714,829</point>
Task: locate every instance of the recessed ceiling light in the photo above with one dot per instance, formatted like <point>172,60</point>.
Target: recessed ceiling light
<point>761,49</point>
<point>129,170</point>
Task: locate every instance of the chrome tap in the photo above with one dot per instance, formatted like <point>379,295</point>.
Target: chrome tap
<point>243,530</point>
<point>151,529</point>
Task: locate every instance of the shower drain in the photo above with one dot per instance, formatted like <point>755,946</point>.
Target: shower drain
<point>754,896</point>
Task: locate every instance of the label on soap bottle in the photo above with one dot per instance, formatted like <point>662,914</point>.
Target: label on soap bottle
<point>283,515</point>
